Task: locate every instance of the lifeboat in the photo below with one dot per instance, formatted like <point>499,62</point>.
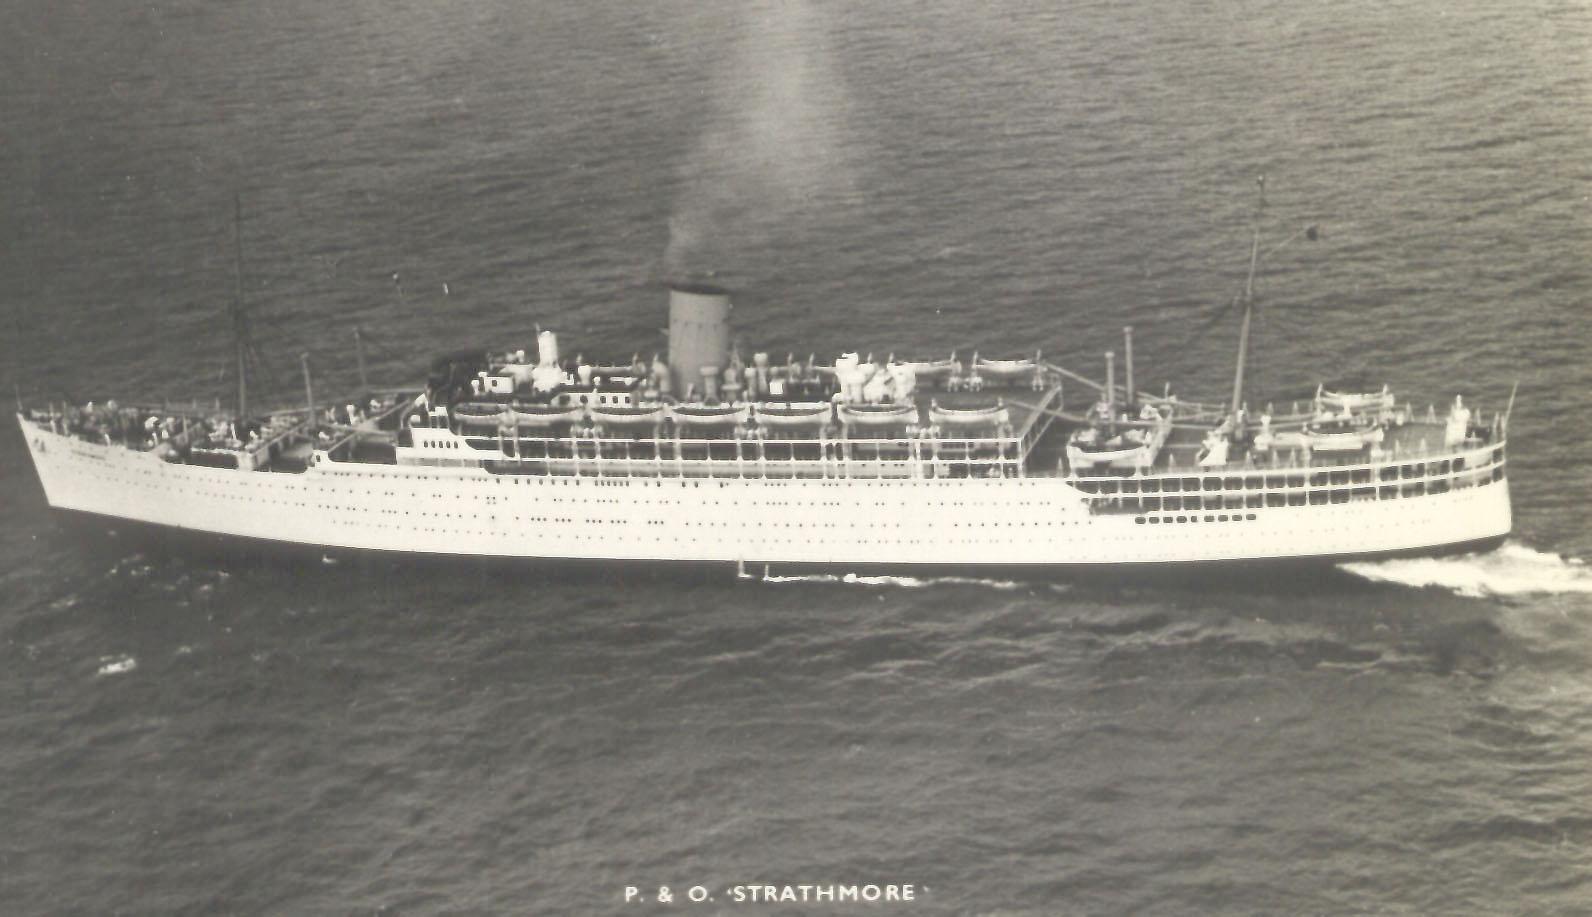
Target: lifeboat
<point>623,416</point>
<point>928,369</point>
<point>487,410</point>
<point>1133,448</point>
<point>635,368</point>
<point>1341,435</point>
<point>808,414</point>
<point>990,415</point>
<point>1002,368</point>
<point>479,413</point>
<point>1282,442</point>
<point>542,416</point>
<point>697,415</point>
<point>877,415</point>
<point>1091,448</point>
<point>1354,401</point>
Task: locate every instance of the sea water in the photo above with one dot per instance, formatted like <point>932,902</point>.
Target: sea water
<point>181,733</point>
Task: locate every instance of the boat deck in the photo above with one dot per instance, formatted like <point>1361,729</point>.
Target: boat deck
<point>1413,439</point>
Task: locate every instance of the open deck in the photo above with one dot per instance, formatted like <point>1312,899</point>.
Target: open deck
<point>911,445</point>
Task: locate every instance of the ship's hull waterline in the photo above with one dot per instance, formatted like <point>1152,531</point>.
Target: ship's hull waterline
<point>912,523</point>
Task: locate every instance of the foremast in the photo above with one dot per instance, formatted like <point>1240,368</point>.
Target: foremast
<point>240,316</point>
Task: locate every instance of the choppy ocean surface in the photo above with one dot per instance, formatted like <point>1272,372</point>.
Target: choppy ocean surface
<point>186,733</point>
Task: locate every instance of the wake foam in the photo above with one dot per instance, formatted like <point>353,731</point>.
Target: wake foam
<point>903,582</point>
<point>1513,569</point>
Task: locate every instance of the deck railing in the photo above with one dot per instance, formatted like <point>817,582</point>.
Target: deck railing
<point>1385,478</point>
<point>744,457</point>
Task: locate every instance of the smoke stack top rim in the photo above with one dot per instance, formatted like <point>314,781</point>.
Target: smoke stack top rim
<point>697,288</point>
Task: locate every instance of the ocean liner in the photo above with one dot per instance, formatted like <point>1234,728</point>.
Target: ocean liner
<point>861,461</point>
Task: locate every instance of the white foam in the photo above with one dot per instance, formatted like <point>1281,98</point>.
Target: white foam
<point>903,582</point>
<point>1513,569</point>
<point>813,578</point>
<point>116,665</point>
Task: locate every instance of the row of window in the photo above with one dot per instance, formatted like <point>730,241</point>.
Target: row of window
<point>1169,520</point>
<point>731,452</point>
<point>1140,503</point>
<point>1322,478</point>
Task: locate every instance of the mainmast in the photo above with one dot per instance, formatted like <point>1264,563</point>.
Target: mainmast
<point>240,319</point>
<point>1248,297</point>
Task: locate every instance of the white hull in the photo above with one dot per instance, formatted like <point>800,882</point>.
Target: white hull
<point>992,522</point>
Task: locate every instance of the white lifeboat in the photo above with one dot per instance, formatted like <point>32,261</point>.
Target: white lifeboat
<point>479,413</point>
<point>877,415</point>
<point>627,416</point>
<point>1135,448</point>
<point>1353,402</point>
<point>993,415</point>
<point>695,415</point>
<point>1003,369</point>
<point>797,414</point>
<point>1344,432</point>
<point>930,369</point>
<point>542,416</point>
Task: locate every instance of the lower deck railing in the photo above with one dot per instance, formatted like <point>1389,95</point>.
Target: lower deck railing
<point>1388,479</point>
